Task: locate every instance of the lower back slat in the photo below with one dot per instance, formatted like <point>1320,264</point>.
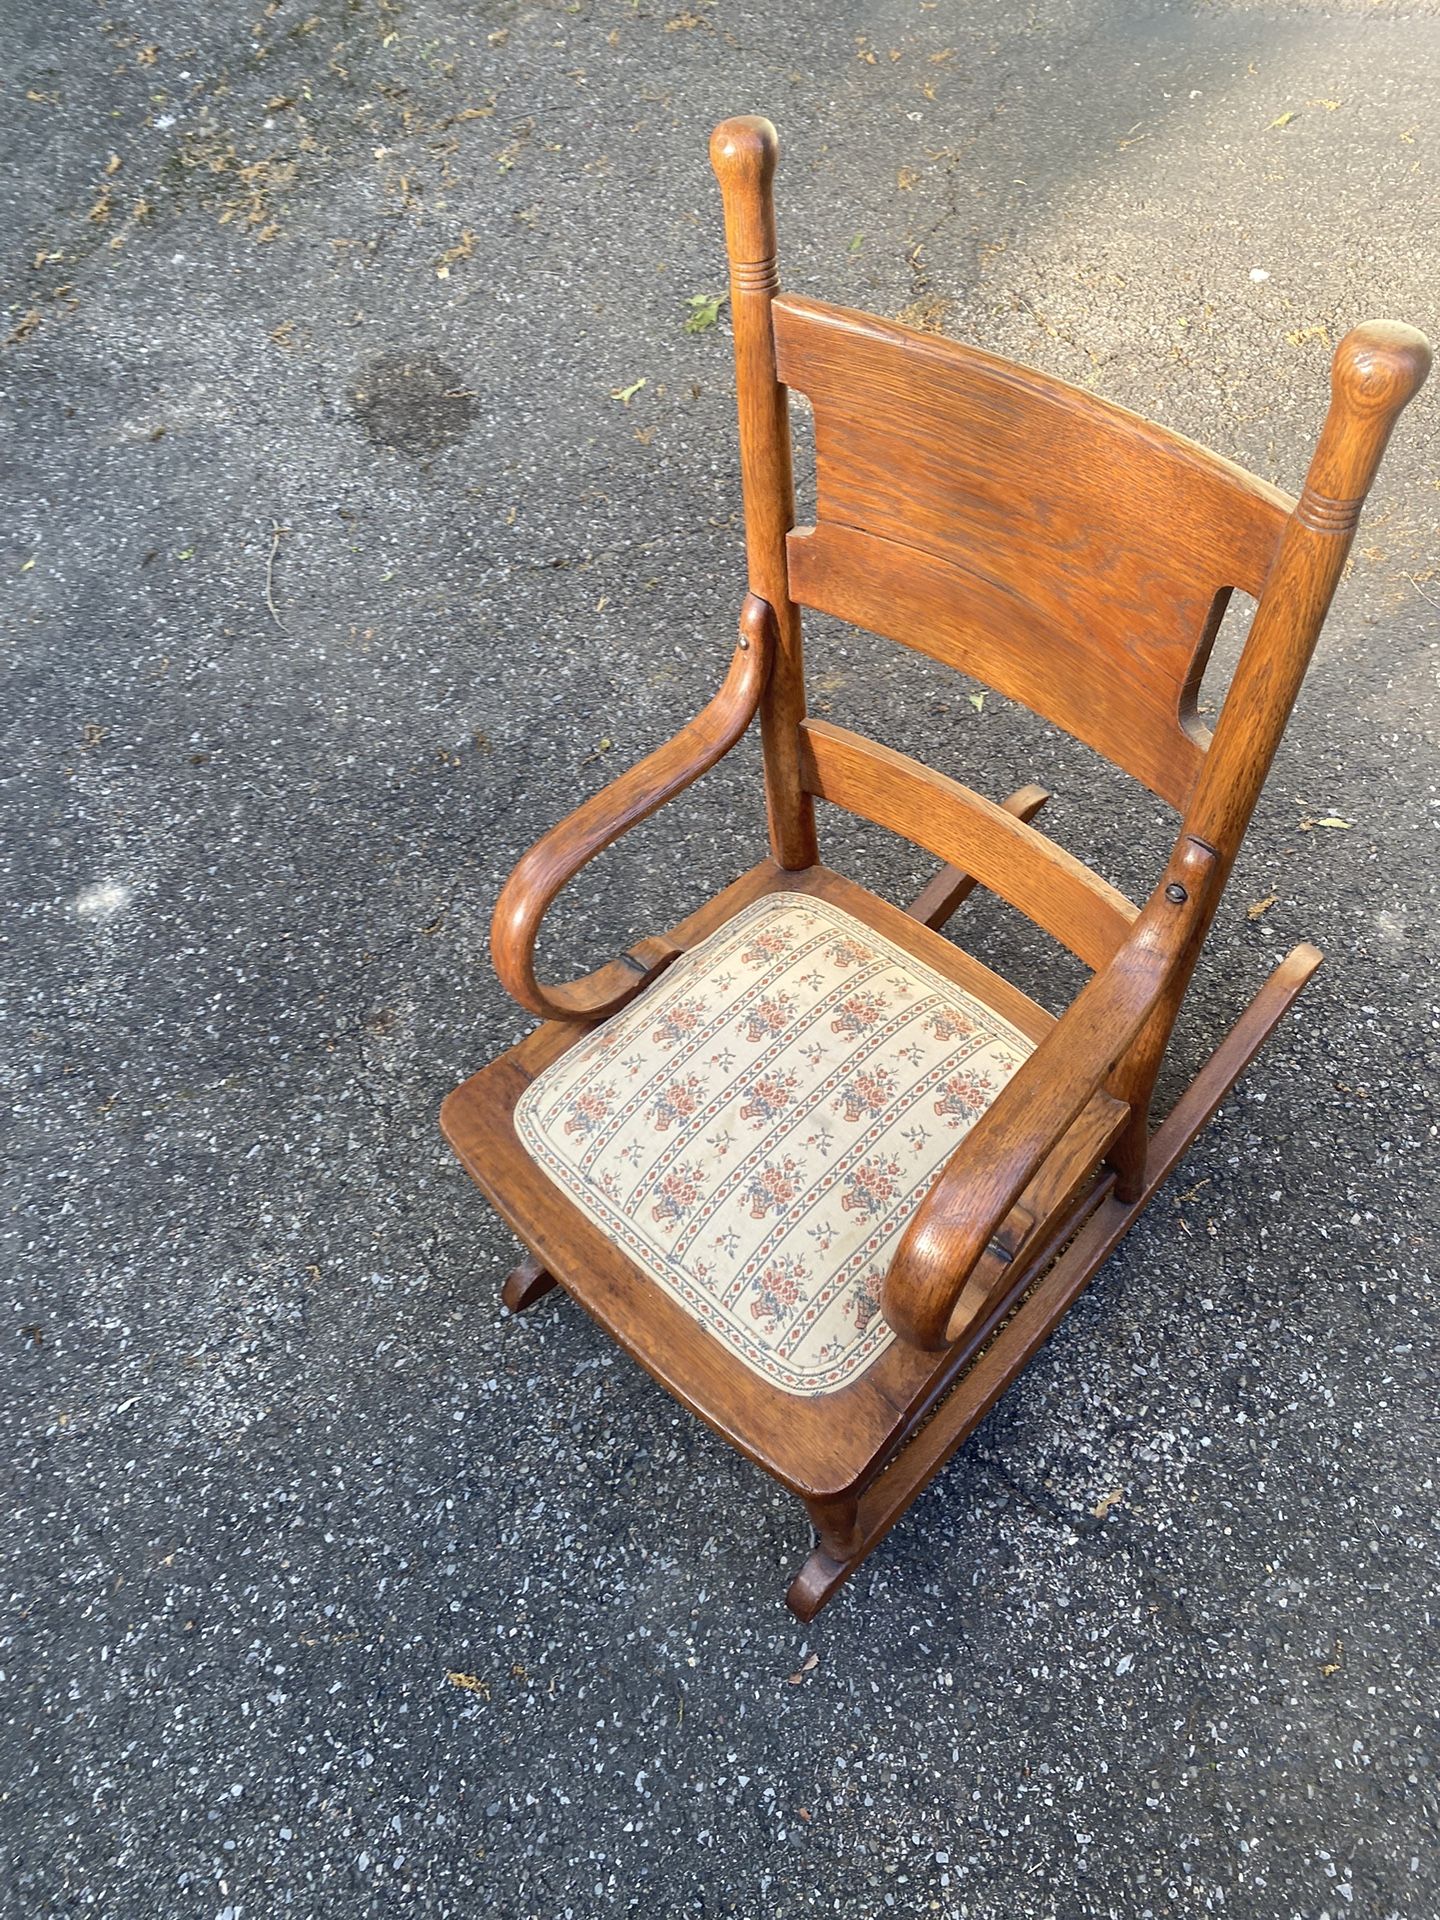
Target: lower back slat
<point>1014,860</point>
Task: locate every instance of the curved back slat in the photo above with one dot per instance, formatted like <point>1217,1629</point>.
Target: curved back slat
<point>1010,857</point>
<point>1071,555</point>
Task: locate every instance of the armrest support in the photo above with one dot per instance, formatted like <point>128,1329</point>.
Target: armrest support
<point>559,856</point>
<point>1007,1146</point>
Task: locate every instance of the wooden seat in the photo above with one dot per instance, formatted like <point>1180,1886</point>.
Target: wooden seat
<point>827,1178</point>
<point>817,1443</point>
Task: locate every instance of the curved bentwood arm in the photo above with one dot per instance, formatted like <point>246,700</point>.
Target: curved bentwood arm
<point>559,856</point>
<point>1009,1143</point>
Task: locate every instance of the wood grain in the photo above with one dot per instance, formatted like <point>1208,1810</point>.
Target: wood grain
<point>1071,555</point>
<point>994,1363</point>
<point>743,153</point>
<point>1378,369</point>
<point>923,1292</point>
<point>1014,860</point>
<point>941,895</point>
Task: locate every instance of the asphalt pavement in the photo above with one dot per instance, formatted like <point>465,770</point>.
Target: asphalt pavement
<point>369,502</point>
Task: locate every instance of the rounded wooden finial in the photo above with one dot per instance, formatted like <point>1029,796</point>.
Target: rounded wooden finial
<point>743,151</point>
<point>1380,366</point>
<point>1377,369</point>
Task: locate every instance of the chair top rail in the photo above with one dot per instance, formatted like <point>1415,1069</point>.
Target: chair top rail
<point>1070,554</point>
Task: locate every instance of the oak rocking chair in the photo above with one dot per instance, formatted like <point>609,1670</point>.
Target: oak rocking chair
<point>827,1178</point>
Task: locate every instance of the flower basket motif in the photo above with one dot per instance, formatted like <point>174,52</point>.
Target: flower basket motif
<point>768,1017</point>
<point>965,1096</point>
<point>862,1303</point>
<point>769,1097</point>
<point>677,1101</point>
<point>680,1021</point>
<point>777,1291</point>
<point>590,1109</point>
<point>774,1186</point>
<point>949,1023</point>
<point>859,1013</point>
<point>873,1186</point>
<point>867,1092</point>
<point>767,943</point>
<point>676,1193</point>
<point>849,953</point>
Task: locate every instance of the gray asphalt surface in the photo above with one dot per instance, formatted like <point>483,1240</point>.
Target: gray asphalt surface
<point>332,1591</point>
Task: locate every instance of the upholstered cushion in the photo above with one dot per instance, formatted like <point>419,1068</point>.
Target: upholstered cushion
<point>757,1129</point>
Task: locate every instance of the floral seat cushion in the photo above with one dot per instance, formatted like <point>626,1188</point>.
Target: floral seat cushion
<point>758,1128</point>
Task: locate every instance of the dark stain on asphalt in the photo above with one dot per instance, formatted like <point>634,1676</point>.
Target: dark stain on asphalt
<point>414,403</point>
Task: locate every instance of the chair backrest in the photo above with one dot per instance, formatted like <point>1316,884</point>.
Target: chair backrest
<point>1065,552</point>
<point>1072,555</point>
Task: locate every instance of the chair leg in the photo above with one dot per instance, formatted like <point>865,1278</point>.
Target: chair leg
<point>832,1562</point>
<point>837,1533</point>
<point>939,898</point>
<point>526,1284</point>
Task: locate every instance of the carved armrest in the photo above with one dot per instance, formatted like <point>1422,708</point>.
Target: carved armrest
<point>560,855</point>
<point>979,1185</point>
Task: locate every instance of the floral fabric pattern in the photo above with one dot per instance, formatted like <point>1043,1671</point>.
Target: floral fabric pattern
<point>758,1128</point>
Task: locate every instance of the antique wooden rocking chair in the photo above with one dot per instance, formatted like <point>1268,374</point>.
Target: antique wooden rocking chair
<point>824,1176</point>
